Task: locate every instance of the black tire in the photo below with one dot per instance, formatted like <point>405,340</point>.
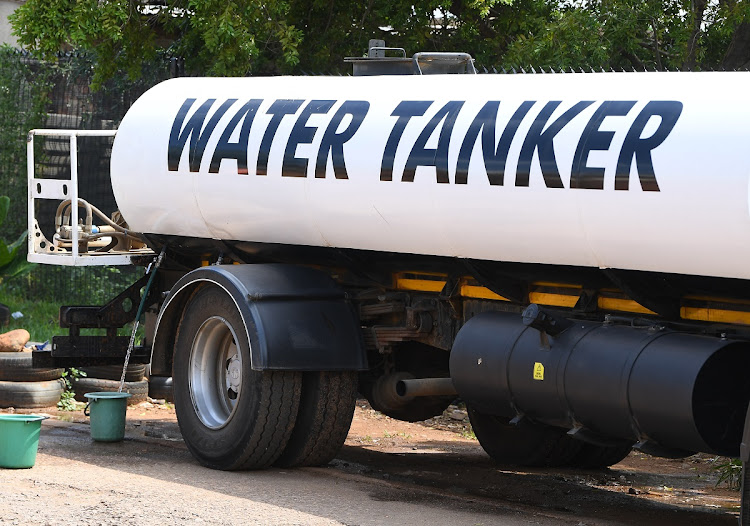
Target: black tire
<point>598,457</point>
<point>160,388</point>
<point>30,395</point>
<point>745,496</point>
<point>325,414</point>
<point>419,409</point>
<point>525,444</point>
<point>17,367</point>
<point>81,386</point>
<point>135,372</point>
<point>231,417</point>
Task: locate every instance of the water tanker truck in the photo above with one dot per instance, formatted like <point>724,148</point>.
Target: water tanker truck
<point>568,253</point>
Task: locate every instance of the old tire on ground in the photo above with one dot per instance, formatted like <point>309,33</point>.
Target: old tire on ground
<point>160,388</point>
<point>30,395</point>
<point>525,444</point>
<point>135,372</point>
<point>325,415</point>
<point>231,417</point>
<point>17,367</point>
<point>137,390</point>
<point>593,456</point>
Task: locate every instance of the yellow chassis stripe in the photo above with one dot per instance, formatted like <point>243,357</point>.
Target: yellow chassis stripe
<point>622,305</point>
<point>424,285</point>
<point>556,300</point>
<point>715,315</point>
<point>569,300</point>
<point>474,291</point>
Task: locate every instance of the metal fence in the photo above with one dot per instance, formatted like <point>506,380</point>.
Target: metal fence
<point>36,94</point>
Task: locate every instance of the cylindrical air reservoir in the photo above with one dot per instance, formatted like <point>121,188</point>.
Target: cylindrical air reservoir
<point>646,384</point>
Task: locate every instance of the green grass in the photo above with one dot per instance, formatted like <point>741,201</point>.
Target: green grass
<point>468,433</point>
<point>40,318</point>
<point>730,473</point>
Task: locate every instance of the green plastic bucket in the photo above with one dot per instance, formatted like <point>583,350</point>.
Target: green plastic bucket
<point>19,440</point>
<point>107,411</point>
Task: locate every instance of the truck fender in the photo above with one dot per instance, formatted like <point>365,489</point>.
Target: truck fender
<point>304,321</point>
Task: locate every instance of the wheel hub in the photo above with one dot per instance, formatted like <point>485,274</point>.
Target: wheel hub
<point>234,375</point>
<point>215,377</point>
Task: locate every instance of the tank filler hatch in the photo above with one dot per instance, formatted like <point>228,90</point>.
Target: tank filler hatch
<point>382,60</point>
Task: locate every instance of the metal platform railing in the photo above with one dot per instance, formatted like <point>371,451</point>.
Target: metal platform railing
<point>41,249</point>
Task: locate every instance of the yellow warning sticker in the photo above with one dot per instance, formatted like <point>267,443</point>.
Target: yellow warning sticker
<point>538,371</point>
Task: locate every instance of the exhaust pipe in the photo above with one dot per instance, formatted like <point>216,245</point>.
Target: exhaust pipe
<point>395,390</point>
<point>664,389</point>
<point>410,388</point>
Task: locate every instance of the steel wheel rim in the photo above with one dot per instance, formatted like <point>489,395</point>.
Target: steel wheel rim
<point>215,376</point>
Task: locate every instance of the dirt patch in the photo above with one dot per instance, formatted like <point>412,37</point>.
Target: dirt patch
<point>685,484</point>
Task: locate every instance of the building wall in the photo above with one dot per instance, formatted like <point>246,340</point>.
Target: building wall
<point>6,8</point>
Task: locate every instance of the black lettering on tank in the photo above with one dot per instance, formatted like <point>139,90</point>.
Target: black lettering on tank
<point>540,140</point>
<point>333,143</point>
<point>293,166</point>
<point>404,111</point>
<point>198,139</point>
<point>494,158</point>
<point>640,148</point>
<point>420,155</point>
<point>225,149</point>
<point>593,139</point>
<point>279,109</point>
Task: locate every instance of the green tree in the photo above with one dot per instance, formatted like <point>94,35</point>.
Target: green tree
<point>257,36</point>
<point>639,34</point>
<point>12,256</point>
<point>243,37</point>
<point>483,28</point>
<point>215,37</point>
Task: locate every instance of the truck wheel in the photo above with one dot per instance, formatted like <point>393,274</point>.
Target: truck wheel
<point>592,456</point>
<point>525,444</point>
<point>17,367</point>
<point>30,395</point>
<point>231,417</point>
<point>325,414</point>
<point>745,496</point>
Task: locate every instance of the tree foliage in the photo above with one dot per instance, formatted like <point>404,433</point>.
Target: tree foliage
<point>12,255</point>
<point>640,34</point>
<point>241,37</point>
<point>215,37</point>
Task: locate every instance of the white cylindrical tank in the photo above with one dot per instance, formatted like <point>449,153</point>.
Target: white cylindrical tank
<point>641,171</point>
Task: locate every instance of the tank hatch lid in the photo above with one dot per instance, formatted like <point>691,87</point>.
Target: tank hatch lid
<point>379,62</point>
